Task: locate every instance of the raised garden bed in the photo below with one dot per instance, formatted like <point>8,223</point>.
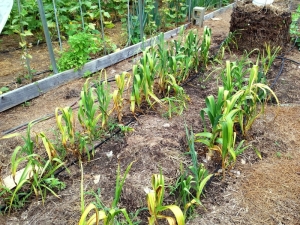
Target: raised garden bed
<point>158,144</point>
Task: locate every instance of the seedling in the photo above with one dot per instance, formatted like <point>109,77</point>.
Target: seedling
<point>278,155</point>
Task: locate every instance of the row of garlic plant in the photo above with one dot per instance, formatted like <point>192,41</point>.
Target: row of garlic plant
<point>240,100</point>
<point>170,63</point>
<point>167,66</point>
<point>188,188</point>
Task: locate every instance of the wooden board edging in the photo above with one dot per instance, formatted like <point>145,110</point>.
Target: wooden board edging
<point>33,90</point>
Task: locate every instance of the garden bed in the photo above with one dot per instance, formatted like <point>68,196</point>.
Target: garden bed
<point>158,144</point>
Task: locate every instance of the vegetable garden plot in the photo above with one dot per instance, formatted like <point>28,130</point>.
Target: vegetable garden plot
<point>169,136</point>
<point>73,26</point>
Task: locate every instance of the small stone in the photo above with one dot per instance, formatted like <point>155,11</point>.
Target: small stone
<point>24,215</point>
<point>166,125</point>
<point>109,154</point>
<point>236,172</point>
<point>96,179</point>
<point>148,190</point>
<point>243,161</point>
<point>208,156</point>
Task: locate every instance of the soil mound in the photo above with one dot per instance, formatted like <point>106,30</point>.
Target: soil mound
<point>256,26</point>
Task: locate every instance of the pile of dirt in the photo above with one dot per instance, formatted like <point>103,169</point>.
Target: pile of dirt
<point>256,26</point>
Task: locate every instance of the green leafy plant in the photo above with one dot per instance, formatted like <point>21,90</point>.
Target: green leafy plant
<point>72,141</point>
<point>294,27</point>
<point>192,47</point>
<point>230,40</point>
<point>163,54</point>
<point>3,90</point>
<point>172,11</point>
<point>81,45</point>
<point>234,77</point>
<point>146,70</point>
<point>200,174</point>
<point>227,140</point>
<point>175,98</point>
<point>238,105</point>
<point>151,11</point>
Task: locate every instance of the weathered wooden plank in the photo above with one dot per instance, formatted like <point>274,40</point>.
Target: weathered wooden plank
<point>30,91</point>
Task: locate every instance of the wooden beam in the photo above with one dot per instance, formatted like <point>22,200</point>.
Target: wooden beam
<point>33,90</point>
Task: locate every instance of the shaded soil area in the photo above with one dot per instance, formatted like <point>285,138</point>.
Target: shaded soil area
<point>255,191</point>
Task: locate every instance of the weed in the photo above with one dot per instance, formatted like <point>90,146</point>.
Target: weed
<point>87,74</point>
<point>278,155</point>
<point>3,90</point>
<point>26,104</point>
<point>125,129</point>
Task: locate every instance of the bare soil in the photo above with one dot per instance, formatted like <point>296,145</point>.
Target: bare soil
<point>254,192</point>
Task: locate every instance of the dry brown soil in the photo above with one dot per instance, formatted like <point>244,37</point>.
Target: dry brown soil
<point>255,191</point>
